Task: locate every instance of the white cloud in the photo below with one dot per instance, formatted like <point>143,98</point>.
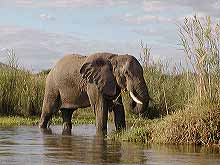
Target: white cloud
<point>157,5</point>
<point>140,20</point>
<point>154,18</point>
<point>210,7</point>
<point>46,17</point>
<point>216,5</point>
<point>3,49</point>
<point>38,49</point>
<point>67,3</point>
<point>146,32</point>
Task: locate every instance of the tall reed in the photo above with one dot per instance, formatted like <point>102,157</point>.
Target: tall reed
<point>201,42</point>
<point>21,92</point>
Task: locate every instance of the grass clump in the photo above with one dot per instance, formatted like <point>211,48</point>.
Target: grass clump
<point>197,125</point>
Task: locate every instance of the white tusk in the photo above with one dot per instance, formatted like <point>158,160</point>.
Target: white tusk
<point>135,98</point>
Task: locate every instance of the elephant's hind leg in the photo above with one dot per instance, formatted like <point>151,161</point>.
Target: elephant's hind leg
<point>67,116</point>
<point>51,104</point>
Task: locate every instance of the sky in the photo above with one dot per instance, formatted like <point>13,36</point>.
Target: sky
<point>43,31</point>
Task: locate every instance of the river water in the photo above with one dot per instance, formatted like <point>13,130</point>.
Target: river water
<point>28,145</point>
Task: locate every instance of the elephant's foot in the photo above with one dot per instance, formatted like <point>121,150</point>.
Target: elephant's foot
<point>67,127</point>
<point>45,124</point>
<point>46,131</point>
<point>101,133</point>
<point>120,124</point>
<point>45,120</point>
<point>101,130</point>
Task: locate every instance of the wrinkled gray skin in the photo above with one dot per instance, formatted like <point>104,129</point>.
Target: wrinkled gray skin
<point>78,81</point>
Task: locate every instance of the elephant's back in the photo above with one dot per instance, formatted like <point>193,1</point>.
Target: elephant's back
<point>70,61</point>
<point>68,81</point>
<point>66,71</point>
<point>68,64</point>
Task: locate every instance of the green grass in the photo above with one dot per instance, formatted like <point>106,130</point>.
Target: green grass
<point>17,121</point>
<point>81,116</point>
<point>34,121</point>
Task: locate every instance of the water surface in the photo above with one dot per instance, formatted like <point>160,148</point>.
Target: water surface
<point>28,145</point>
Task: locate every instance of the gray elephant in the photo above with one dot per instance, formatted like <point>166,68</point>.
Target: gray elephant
<point>97,80</point>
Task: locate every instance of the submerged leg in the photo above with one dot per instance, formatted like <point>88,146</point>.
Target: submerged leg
<point>100,107</point>
<point>48,109</point>
<point>50,105</point>
<point>45,118</point>
<point>67,116</point>
<point>101,118</point>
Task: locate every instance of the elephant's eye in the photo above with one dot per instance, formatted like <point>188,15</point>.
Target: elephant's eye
<point>127,73</point>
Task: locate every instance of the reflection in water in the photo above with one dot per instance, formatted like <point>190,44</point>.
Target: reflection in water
<point>89,150</point>
<point>28,145</point>
<point>76,148</point>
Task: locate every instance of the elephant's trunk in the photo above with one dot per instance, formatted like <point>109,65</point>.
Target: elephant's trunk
<point>140,97</point>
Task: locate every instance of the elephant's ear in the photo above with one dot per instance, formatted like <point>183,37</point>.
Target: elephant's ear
<point>99,71</point>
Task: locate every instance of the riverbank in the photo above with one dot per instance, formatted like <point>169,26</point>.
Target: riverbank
<point>191,126</point>
<point>17,121</point>
<point>81,116</point>
<point>34,121</point>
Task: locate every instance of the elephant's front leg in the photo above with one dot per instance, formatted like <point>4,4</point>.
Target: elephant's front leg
<point>67,116</point>
<point>100,107</point>
<point>119,114</point>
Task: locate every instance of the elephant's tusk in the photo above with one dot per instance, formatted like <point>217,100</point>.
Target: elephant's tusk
<point>135,98</point>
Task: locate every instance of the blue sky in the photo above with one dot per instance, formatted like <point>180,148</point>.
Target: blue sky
<point>42,31</point>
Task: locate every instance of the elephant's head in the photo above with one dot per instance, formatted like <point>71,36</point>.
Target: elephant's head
<point>109,71</point>
<point>129,76</point>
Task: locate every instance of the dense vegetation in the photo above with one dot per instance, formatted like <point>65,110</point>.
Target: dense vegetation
<point>186,99</point>
<point>21,92</point>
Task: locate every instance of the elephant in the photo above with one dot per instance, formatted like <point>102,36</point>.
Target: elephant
<point>96,80</point>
